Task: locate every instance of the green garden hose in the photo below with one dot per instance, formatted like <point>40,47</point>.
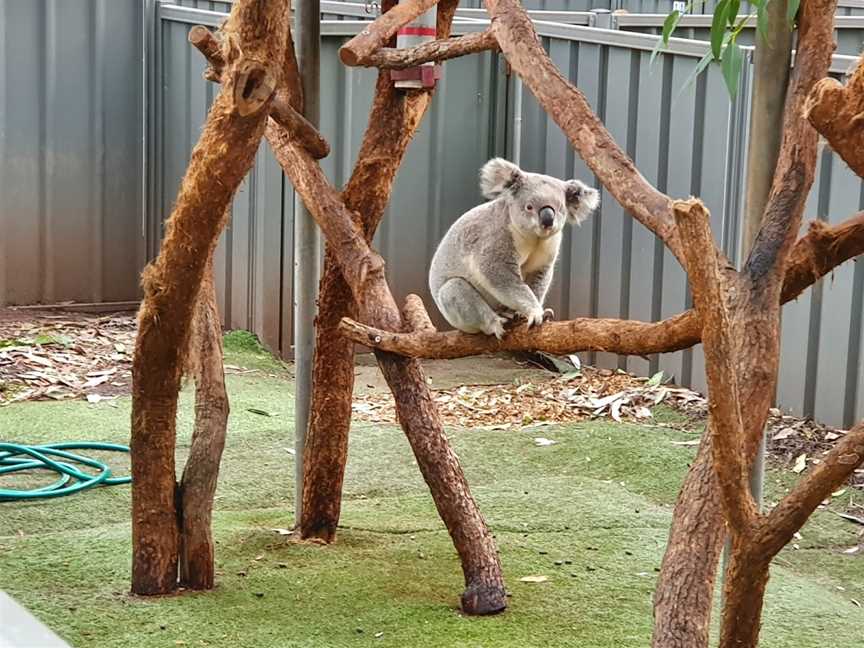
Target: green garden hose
<point>15,458</point>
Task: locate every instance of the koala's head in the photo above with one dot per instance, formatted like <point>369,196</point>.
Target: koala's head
<point>538,204</point>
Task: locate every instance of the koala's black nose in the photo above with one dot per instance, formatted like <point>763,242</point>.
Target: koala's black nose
<point>547,217</point>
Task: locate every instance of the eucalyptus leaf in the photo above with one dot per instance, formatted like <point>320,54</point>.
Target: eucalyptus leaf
<point>670,24</point>
<point>731,65</point>
<point>792,10</point>
<point>718,28</point>
<point>691,78</point>
<point>732,13</point>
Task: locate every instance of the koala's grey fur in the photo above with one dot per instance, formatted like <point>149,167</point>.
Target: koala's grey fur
<point>496,261</point>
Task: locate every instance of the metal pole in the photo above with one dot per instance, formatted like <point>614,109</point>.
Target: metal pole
<point>307,245</point>
<point>516,156</point>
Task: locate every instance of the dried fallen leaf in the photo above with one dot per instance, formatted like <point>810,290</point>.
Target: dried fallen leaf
<point>800,463</point>
<point>543,441</point>
<point>534,579</point>
<point>785,433</point>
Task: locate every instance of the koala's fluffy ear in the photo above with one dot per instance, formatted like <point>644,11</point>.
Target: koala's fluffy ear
<point>581,200</point>
<point>497,176</point>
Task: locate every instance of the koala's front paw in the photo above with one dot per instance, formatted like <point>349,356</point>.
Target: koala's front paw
<point>535,317</point>
<point>548,315</point>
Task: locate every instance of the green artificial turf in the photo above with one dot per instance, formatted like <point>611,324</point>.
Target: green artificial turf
<point>591,513</point>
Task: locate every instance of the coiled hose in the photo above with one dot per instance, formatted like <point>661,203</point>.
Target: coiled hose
<point>55,457</point>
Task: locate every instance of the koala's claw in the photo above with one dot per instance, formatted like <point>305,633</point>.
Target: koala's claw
<point>548,315</point>
<point>535,317</point>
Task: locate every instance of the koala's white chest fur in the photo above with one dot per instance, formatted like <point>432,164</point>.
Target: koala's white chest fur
<point>535,253</point>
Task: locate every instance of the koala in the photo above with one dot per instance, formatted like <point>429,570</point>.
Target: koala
<point>497,260</point>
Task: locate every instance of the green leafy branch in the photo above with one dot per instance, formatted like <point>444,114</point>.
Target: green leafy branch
<point>725,28</point>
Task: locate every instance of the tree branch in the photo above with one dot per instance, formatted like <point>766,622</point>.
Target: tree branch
<point>819,251</point>
<point>415,315</point>
<point>837,112</point>
<point>822,480</point>
<point>711,291</point>
<point>437,50</point>
<point>382,29</point>
<point>626,337</point>
<point>282,108</point>
<point>567,106</point>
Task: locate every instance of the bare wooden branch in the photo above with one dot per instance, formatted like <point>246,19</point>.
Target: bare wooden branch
<point>381,30</point>
<point>392,122</point>
<point>282,108</point>
<point>567,106</point>
<point>711,292</point>
<point>201,473</point>
<point>816,485</point>
<point>626,337</point>
<point>415,315</point>
<point>363,270</point>
<point>837,113</point>
<point>299,128</point>
<point>822,249</point>
<point>437,50</point>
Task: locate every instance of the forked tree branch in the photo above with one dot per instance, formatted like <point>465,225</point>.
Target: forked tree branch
<point>567,106</point>
<point>281,108</point>
<point>837,113</point>
<point>437,50</point>
<point>374,36</point>
<point>796,507</point>
<point>711,294</point>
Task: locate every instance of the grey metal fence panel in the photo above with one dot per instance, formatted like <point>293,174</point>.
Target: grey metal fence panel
<point>70,150</point>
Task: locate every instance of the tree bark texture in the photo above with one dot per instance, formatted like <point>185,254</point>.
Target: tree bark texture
<point>837,112</point>
<point>284,107</point>
<point>255,34</point>
<point>393,120</point>
<point>364,272</point>
<point>201,473</point>
<point>437,50</point>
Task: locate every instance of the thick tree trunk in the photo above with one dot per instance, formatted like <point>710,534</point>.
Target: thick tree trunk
<point>394,118</point>
<point>200,476</point>
<point>744,595</point>
<point>172,283</point>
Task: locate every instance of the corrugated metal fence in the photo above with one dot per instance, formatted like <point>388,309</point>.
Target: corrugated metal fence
<point>76,182</point>
<point>70,150</point>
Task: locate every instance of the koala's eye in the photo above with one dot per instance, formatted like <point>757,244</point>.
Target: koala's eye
<point>529,207</point>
